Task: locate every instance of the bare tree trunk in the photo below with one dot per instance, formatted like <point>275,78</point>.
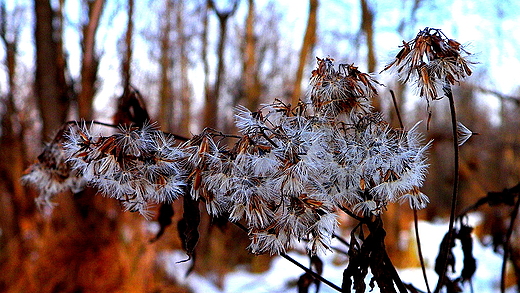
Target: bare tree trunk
<point>127,57</point>
<point>165,91</point>
<point>16,208</point>
<point>184,94</point>
<point>89,62</point>
<point>208,93</point>
<point>49,79</point>
<point>309,40</point>
<point>367,27</point>
<point>13,202</point>
<point>211,114</point>
<point>251,84</point>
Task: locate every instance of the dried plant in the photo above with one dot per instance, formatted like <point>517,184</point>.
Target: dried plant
<point>287,174</point>
<point>433,62</point>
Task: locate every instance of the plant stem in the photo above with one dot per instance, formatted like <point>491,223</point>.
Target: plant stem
<point>419,249</point>
<point>397,112</point>
<point>449,95</point>
<point>306,269</point>
<point>514,214</point>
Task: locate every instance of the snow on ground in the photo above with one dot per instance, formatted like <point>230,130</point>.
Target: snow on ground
<point>283,275</point>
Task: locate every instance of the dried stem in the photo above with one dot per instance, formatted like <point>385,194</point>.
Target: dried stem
<point>92,122</point>
<point>514,214</point>
<point>419,250</point>
<point>304,268</point>
<point>309,271</point>
<point>397,112</point>
<point>449,95</point>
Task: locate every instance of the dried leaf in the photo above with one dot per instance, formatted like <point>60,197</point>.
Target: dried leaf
<point>317,266</point>
<point>445,252</point>
<point>188,227</point>
<point>470,264</point>
<point>357,268</point>
<point>446,258</point>
<point>304,283</point>
<point>131,109</point>
<point>164,219</point>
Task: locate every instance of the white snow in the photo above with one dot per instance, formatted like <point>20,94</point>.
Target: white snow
<point>283,275</point>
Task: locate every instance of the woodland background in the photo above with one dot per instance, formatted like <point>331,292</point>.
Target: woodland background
<point>192,61</point>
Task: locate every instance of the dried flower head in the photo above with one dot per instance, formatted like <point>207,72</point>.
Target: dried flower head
<point>51,174</point>
<point>136,165</point>
<point>346,90</point>
<point>432,61</point>
<point>285,175</point>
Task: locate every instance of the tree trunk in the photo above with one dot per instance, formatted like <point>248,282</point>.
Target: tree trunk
<point>50,87</point>
<point>165,64</point>
<point>208,93</point>
<point>127,57</point>
<point>251,84</point>
<point>367,27</point>
<point>309,40</point>
<point>14,205</point>
<point>184,88</point>
<point>212,100</point>
<point>89,61</point>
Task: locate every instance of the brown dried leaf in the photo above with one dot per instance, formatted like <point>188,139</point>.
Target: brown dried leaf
<point>188,227</point>
<point>131,109</point>
<point>469,262</point>
<point>304,283</point>
<point>164,219</point>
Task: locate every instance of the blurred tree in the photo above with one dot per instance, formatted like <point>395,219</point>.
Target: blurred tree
<point>209,103</point>
<point>212,100</point>
<point>14,206</point>
<point>165,67</point>
<point>183,91</point>
<point>89,60</point>
<point>367,28</point>
<point>251,82</point>
<point>126,71</point>
<point>309,40</point>
<point>50,84</point>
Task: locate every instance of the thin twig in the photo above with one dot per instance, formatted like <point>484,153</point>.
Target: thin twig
<point>396,109</point>
<point>177,137</point>
<point>341,239</point>
<point>348,212</point>
<point>307,270</point>
<point>419,249</point>
<point>449,95</point>
<point>514,214</point>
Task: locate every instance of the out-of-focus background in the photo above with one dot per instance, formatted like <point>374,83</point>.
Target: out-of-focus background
<point>192,61</point>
